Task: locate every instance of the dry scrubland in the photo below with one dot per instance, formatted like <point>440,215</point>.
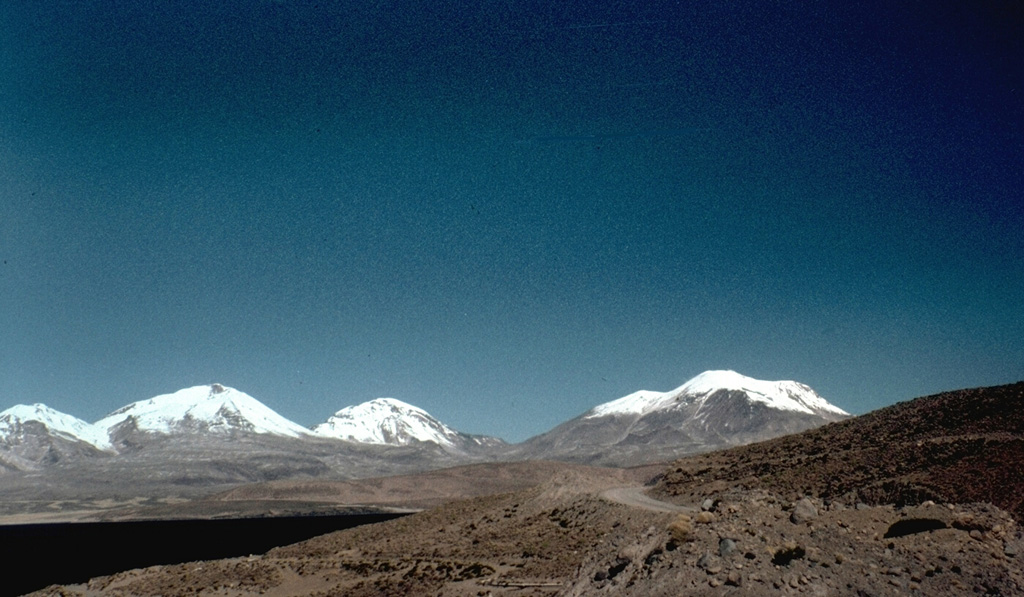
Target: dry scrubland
<point>921,498</point>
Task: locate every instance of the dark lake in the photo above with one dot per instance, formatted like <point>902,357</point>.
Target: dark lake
<point>38,555</point>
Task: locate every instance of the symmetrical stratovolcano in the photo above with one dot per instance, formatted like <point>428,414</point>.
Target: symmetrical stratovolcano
<point>714,410</point>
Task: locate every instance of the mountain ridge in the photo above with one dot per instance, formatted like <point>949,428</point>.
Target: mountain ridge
<point>713,409</point>
<point>210,408</point>
<point>36,436</point>
<point>61,424</point>
<point>922,497</point>
<point>389,421</point>
<point>781,395</point>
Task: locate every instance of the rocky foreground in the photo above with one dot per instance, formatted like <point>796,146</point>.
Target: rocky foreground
<point>557,540</point>
<point>840,510</point>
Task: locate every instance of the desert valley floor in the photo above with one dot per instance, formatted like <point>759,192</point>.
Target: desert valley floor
<point>925,497</point>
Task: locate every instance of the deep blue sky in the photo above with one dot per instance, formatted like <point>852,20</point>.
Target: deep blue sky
<point>506,212</point>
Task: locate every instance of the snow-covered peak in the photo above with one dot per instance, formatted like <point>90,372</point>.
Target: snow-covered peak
<point>386,421</point>
<point>637,403</point>
<point>780,395</point>
<point>214,408</point>
<point>57,423</point>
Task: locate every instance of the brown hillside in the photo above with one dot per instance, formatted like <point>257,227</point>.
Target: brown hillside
<point>962,446</point>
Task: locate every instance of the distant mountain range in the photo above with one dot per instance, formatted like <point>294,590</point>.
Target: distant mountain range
<point>216,434</point>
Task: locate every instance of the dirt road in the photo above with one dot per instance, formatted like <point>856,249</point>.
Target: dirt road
<point>635,497</point>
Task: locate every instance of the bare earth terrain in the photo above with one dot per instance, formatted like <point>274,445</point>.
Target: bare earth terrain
<point>922,498</point>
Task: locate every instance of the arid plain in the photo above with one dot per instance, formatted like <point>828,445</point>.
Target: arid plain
<point>924,497</point>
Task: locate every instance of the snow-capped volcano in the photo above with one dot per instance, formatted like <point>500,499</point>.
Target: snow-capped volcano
<point>16,421</point>
<point>37,435</point>
<point>715,409</point>
<point>387,421</point>
<point>779,395</point>
<point>213,408</point>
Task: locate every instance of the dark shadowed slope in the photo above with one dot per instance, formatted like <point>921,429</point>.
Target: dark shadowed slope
<point>961,446</point>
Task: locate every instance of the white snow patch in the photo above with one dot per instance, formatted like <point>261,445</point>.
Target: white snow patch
<point>637,403</point>
<point>219,408</point>
<point>780,395</point>
<point>386,421</point>
<point>58,423</point>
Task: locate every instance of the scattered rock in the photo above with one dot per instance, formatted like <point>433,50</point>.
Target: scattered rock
<point>705,561</point>
<point>787,553</point>
<point>726,547</point>
<point>813,554</point>
<point>803,511</point>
